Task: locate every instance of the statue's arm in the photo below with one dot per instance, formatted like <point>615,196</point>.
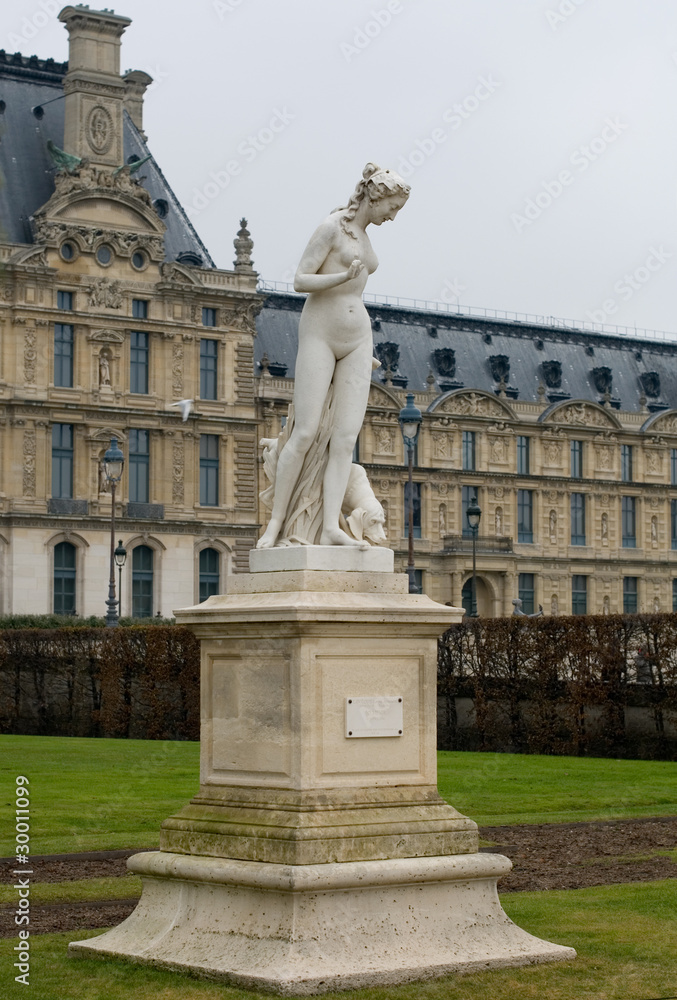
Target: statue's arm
<point>307,278</point>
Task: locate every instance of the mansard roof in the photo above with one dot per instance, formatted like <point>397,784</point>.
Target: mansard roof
<point>474,353</point>
<point>27,172</point>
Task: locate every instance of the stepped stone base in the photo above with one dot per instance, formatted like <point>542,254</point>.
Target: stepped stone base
<point>298,930</point>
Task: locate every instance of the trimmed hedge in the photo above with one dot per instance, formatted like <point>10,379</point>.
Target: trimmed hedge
<point>141,682</point>
<point>583,685</point>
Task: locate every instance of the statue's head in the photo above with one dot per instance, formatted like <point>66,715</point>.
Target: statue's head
<point>383,183</point>
<point>385,192</point>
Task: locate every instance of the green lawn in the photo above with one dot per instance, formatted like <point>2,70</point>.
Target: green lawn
<point>89,794</point>
<point>624,935</point>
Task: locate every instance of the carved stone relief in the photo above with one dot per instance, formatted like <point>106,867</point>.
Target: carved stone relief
<point>441,446</point>
<point>29,451</point>
<point>177,370</point>
<point>105,292</point>
<point>385,441</point>
<point>472,404</point>
<point>583,414</point>
<point>177,471</point>
<point>30,356</point>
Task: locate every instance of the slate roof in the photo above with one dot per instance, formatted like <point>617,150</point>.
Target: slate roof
<point>27,171</point>
<point>418,334</point>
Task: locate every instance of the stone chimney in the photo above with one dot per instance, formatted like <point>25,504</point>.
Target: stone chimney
<point>95,93</point>
<point>136,83</point>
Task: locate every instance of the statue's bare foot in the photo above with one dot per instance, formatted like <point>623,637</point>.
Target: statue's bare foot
<point>269,536</point>
<point>338,537</point>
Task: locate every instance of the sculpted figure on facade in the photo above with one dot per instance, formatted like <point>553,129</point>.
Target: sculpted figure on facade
<point>309,464</point>
<point>552,524</point>
<point>104,368</point>
<point>499,522</point>
<point>605,529</point>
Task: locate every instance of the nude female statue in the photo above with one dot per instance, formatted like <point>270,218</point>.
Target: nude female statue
<point>335,349</point>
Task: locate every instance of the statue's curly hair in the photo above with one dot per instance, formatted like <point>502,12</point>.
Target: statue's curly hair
<point>375,183</point>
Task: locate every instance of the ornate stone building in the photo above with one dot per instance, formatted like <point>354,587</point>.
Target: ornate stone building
<point>567,438</point>
<point>111,311</point>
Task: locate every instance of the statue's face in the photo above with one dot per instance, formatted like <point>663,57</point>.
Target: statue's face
<point>385,209</point>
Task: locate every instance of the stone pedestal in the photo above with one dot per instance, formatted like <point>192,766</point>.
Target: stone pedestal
<point>317,854</point>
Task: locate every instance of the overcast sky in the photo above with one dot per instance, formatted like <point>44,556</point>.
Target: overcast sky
<point>539,138</point>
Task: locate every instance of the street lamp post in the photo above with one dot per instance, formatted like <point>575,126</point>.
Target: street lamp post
<point>473,514</point>
<point>120,556</point>
<point>113,464</point>
<point>410,423</point>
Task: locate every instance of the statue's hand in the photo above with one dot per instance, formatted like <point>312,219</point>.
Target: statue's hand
<point>354,269</point>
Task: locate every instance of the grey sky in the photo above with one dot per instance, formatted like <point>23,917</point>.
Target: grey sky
<point>567,115</point>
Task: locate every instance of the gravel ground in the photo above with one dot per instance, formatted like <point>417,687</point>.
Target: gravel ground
<point>553,856</point>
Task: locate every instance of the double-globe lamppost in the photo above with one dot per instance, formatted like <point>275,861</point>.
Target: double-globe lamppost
<point>410,423</point>
<point>473,514</point>
<point>113,464</point>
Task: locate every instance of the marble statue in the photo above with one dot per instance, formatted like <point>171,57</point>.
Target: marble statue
<point>517,605</point>
<point>309,464</point>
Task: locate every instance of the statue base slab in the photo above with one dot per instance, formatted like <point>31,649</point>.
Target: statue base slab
<point>342,558</point>
<point>298,930</point>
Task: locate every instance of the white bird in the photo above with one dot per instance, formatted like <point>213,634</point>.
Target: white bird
<point>186,406</point>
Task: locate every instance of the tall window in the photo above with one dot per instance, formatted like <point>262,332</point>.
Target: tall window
<point>209,317</point>
<point>209,573</point>
<point>139,465</point>
<point>208,360</point>
<point>64,579</point>
<point>525,516</point>
<point>578,518</point>
<point>416,494</point>
<point>628,521</point>
<point>138,380</point>
<point>673,466</point>
<point>522,456</point>
<point>626,463</point>
<point>630,595</point>
<point>209,470</point>
<point>63,355</point>
<point>673,523</point>
<point>525,586</point>
<point>579,595</point>
<point>468,440</point>
<point>140,308</point>
<point>576,459</point>
<point>467,493</point>
<point>64,300</point>
<point>62,460</point>
<point>142,582</point>
<point>674,595</point>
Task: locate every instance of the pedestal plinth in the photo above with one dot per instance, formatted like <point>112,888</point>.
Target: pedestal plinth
<point>317,854</point>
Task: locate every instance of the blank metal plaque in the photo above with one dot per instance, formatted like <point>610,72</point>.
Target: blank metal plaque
<point>380,716</point>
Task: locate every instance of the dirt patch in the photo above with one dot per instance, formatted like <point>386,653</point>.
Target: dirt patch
<point>577,855</point>
<point>54,917</point>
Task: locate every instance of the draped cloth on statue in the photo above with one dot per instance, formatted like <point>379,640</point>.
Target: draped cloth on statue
<point>303,523</point>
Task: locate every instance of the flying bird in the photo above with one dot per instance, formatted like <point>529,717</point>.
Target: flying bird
<point>185,406</point>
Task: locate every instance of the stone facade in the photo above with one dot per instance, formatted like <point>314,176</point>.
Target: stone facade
<point>104,327</point>
<point>564,545</point>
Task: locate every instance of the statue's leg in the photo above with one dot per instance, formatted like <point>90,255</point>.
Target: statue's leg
<point>314,370</point>
<point>352,379</point>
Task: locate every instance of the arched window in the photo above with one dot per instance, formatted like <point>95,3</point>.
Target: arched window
<point>142,582</point>
<point>64,579</point>
<point>209,573</point>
